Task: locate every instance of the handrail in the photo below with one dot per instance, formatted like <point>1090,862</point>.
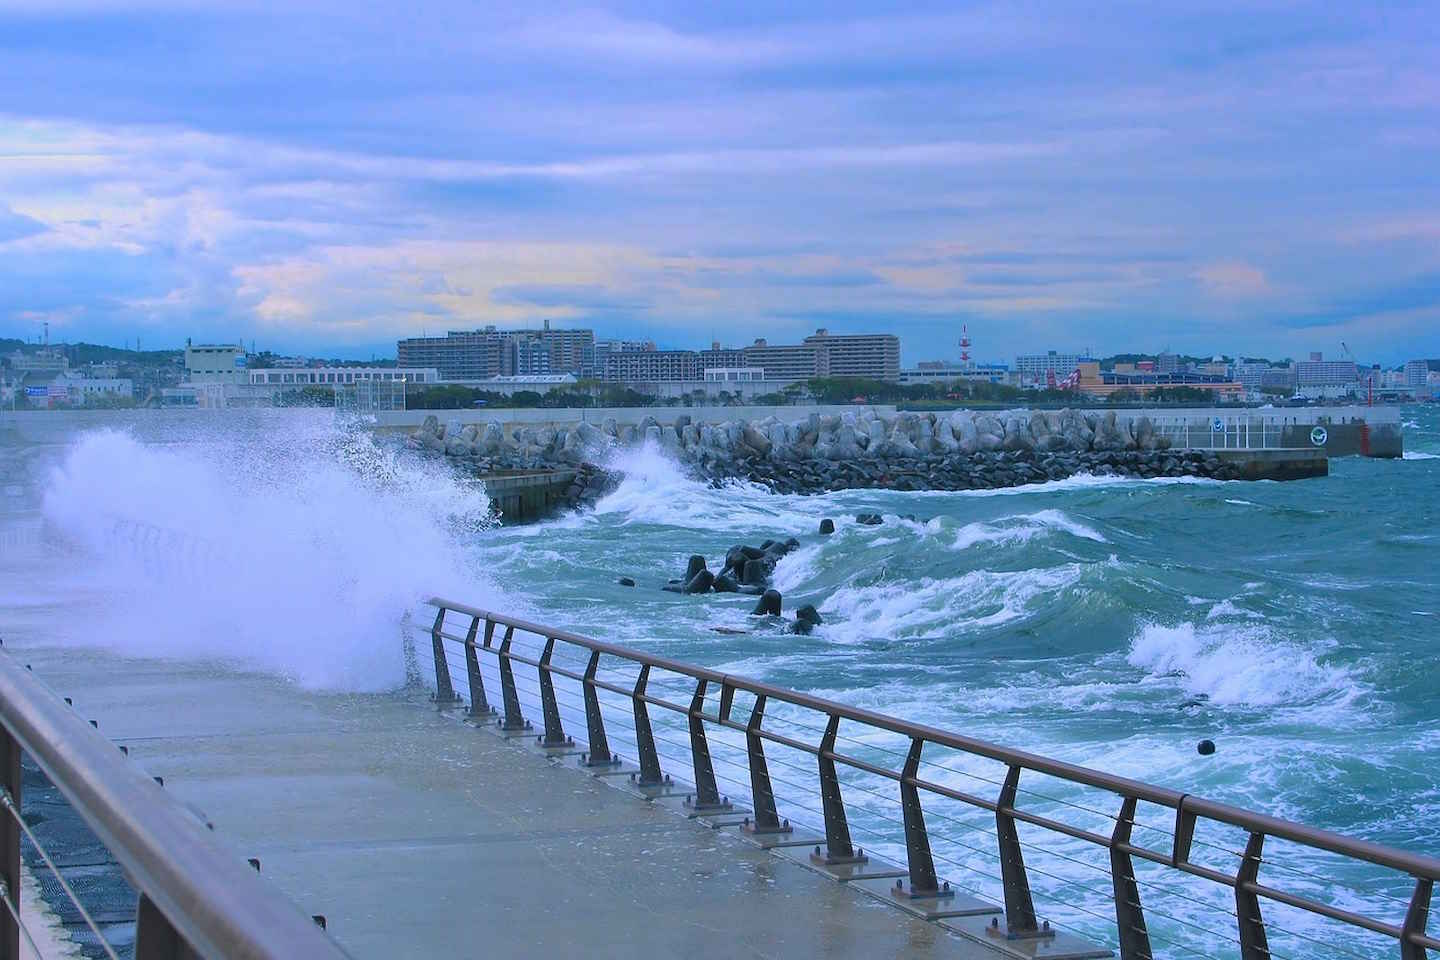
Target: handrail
<point>1188,808</point>
<point>204,895</point>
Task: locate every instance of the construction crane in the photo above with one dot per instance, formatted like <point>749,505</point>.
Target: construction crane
<point>1369,378</point>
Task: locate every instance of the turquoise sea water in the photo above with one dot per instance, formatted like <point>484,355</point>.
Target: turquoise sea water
<point>1110,623</point>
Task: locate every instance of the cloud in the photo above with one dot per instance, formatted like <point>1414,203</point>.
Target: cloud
<point>14,226</point>
<point>1232,279</point>
<point>323,176</point>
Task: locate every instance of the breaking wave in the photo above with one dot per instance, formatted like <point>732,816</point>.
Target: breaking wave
<point>300,553</point>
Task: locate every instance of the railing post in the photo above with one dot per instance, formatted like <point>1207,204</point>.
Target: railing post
<point>479,705</point>
<point>766,820</point>
<point>650,775</point>
<point>1415,920</point>
<point>155,937</point>
<point>1129,917</point>
<point>444,690</point>
<point>10,776</point>
<point>923,881</point>
<point>513,720</point>
<point>1253,943</point>
<point>554,735</point>
<point>1020,922</point>
<point>599,753</point>
<point>707,797</point>
<point>838,848</point>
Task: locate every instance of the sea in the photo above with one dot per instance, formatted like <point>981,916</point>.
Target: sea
<point>1107,622</point>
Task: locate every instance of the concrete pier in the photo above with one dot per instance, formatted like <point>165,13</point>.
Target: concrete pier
<point>418,835</point>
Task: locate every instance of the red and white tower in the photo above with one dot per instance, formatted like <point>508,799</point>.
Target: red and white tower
<point>965,347</point>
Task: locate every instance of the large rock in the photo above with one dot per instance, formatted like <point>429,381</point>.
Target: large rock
<point>1017,433</point>
<point>585,442</point>
<point>1078,434</point>
<point>756,440</point>
<point>1111,435</point>
<point>990,433</point>
<point>962,425</point>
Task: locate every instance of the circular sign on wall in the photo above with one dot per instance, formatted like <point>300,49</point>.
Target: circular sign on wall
<point>1217,425</point>
<point>1318,436</point>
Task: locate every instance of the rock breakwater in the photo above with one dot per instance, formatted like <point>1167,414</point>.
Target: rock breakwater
<point>960,450</point>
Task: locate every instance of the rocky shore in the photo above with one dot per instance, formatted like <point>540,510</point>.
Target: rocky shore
<point>961,450</point>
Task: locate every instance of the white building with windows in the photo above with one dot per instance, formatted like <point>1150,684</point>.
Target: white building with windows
<point>290,379</point>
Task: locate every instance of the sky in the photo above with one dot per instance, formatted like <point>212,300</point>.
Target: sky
<point>1255,178</point>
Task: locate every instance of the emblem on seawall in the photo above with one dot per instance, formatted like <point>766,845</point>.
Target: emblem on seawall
<point>1318,436</point>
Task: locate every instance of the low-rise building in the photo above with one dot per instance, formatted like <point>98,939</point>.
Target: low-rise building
<point>293,379</point>
<point>215,363</point>
<point>1033,368</point>
<point>1102,383</point>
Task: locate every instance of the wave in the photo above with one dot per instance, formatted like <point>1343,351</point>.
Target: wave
<point>980,598</point>
<point>1022,529</point>
<point>298,553</point>
<point>1239,665</point>
<point>1419,455</point>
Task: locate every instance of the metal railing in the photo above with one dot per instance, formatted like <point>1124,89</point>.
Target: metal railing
<point>196,899</point>
<point>617,679</point>
<point>1232,431</point>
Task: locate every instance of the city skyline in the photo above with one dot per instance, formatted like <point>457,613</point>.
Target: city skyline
<point>1218,178</point>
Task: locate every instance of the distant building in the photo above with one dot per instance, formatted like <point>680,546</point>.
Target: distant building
<point>1319,372</point>
<point>1037,367</point>
<point>284,379</point>
<point>533,383</point>
<point>946,372</point>
<point>781,361</point>
<point>45,362</point>
<point>1416,372</point>
<point>87,390</point>
<point>1102,383</point>
<point>874,356</point>
<point>1282,378</point>
<point>490,352</point>
<point>459,355</point>
<point>733,374</point>
<point>215,363</point>
<point>652,366</point>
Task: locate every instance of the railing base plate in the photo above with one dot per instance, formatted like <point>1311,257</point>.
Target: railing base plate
<point>1062,946</point>
<point>693,810</point>
<point>929,908</point>
<point>867,869</point>
<point>772,841</point>
<point>558,749</point>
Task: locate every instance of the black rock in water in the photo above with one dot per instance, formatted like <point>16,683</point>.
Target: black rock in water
<point>725,583</point>
<point>808,612</point>
<point>626,582</point>
<point>697,563</point>
<point>769,605</point>
<point>869,519</point>
<point>1205,747</point>
<point>756,572</point>
<point>701,582</point>
<point>827,527</point>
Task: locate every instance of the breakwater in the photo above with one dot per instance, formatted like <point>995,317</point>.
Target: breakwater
<point>861,449</point>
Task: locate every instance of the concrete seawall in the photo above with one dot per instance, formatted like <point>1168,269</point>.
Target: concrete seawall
<point>1347,430</point>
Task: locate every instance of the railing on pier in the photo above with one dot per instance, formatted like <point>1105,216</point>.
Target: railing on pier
<point>196,899</point>
<point>716,717</point>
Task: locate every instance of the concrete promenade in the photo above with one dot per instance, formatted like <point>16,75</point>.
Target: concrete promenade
<point>417,835</point>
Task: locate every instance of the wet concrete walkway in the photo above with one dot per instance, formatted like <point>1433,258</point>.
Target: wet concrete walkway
<point>416,834</point>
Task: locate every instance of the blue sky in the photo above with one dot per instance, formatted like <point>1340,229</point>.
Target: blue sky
<point>1256,177</point>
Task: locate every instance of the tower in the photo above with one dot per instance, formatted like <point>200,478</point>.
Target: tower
<point>965,362</point>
